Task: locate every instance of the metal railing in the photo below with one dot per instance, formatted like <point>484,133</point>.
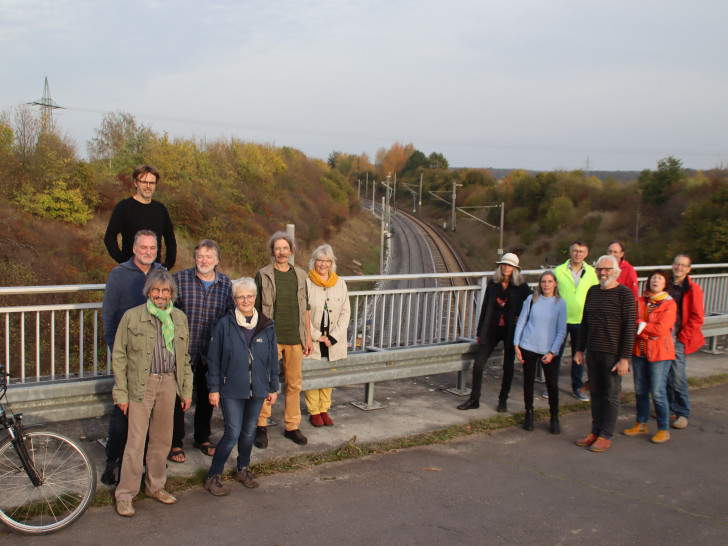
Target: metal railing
<point>45,343</point>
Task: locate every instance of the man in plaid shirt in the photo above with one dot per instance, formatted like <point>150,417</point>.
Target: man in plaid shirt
<point>205,295</point>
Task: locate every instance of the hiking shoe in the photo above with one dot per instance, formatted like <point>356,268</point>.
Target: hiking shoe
<point>214,485</point>
<point>161,495</point>
<point>601,444</point>
<point>661,437</point>
<point>640,429</point>
<point>584,397</point>
<point>124,508</point>
<point>681,422</point>
<point>296,436</point>
<point>587,440</point>
<point>245,476</point>
<point>261,438</point>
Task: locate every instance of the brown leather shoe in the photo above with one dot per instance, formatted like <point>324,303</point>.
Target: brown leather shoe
<point>601,444</point>
<point>587,440</point>
<point>296,436</point>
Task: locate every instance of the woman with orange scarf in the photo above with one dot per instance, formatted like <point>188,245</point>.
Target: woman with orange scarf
<point>329,311</point>
<point>652,356</point>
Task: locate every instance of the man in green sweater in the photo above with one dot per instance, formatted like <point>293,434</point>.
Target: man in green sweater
<point>575,278</point>
<point>282,297</point>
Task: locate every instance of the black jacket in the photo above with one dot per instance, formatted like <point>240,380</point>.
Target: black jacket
<point>512,309</point>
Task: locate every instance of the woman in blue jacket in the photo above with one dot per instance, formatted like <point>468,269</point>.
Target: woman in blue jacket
<point>540,331</point>
<point>242,372</point>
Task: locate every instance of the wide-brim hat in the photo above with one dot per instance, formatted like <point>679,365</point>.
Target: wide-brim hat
<point>510,259</point>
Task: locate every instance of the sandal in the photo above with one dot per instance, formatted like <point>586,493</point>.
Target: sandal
<point>207,448</point>
<point>176,452</point>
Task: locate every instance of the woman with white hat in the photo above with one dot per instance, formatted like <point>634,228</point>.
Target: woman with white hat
<point>504,296</point>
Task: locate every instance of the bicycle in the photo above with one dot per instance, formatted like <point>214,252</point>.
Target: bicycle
<point>47,481</point>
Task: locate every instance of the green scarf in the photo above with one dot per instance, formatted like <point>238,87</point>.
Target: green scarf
<point>165,317</point>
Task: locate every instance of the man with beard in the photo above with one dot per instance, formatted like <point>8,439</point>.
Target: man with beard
<point>607,334</point>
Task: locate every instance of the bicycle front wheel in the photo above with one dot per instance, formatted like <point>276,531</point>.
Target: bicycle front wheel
<point>68,483</point>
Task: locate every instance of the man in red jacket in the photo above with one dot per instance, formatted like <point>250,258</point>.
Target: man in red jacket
<point>689,336</point>
<point>627,276</point>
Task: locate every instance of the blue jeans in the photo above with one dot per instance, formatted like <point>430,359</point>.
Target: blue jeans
<point>651,378</point>
<point>577,372</point>
<point>240,415</point>
<point>677,383</point>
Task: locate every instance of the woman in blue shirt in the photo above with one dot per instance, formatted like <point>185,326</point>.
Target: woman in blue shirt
<point>540,331</point>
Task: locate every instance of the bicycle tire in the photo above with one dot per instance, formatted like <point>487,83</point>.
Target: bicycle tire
<point>68,485</point>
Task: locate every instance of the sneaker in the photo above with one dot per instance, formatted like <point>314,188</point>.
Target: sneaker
<point>261,438</point>
<point>124,508</point>
<point>296,436</point>
<point>545,394</point>
<point>681,422</point>
<point>328,421</point>
<point>316,420</point>
<point>661,437</point>
<point>214,485</point>
<point>584,397</point>
<point>640,429</point>
<point>587,440</point>
<point>601,444</point>
<point>245,476</point>
<point>162,496</point>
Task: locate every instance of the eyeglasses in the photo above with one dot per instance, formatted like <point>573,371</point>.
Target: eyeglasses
<point>164,291</point>
<point>244,297</point>
<point>676,265</point>
<point>599,269</point>
<point>147,182</point>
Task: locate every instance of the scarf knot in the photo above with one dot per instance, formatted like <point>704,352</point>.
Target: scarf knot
<point>165,317</point>
<point>318,281</point>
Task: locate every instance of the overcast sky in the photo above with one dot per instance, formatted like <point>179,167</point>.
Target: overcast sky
<point>541,84</point>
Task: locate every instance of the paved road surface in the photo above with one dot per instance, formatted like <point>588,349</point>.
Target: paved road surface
<point>507,487</point>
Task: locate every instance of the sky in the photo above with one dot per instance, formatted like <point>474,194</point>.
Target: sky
<point>557,84</point>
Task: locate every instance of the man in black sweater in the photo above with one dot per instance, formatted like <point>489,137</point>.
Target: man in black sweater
<point>141,212</point>
<point>607,334</point>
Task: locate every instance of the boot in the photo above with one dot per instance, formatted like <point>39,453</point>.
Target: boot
<point>528,421</point>
<point>502,406</point>
<point>555,427</point>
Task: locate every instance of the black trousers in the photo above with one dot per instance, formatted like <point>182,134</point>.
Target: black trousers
<point>551,373</point>
<point>485,349</point>
<point>203,410</point>
<point>605,386</point>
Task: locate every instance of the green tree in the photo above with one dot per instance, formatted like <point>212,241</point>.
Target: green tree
<point>120,143</point>
<point>437,161</point>
<point>705,228</point>
<point>655,186</point>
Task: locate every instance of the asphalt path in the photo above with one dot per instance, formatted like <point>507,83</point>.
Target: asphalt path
<point>508,487</point>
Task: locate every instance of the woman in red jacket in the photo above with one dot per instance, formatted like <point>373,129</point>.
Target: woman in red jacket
<point>652,355</point>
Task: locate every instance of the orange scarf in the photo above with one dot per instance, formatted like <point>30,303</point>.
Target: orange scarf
<point>318,281</point>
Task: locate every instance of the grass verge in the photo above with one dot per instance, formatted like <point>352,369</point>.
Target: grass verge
<point>354,450</point>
